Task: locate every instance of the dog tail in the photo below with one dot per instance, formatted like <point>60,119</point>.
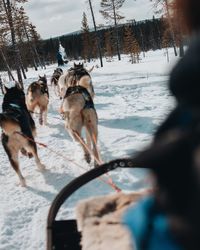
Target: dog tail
<point>90,70</point>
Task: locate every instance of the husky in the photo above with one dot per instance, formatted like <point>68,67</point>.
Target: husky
<point>38,97</point>
<point>77,75</point>
<point>18,129</point>
<point>54,79</point>
<point>79,112</point>
<point>82,77</point>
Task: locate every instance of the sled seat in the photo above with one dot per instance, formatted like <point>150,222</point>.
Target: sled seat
<point>64,234</point>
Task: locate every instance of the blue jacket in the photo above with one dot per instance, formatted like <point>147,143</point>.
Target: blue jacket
<point>159,238</point>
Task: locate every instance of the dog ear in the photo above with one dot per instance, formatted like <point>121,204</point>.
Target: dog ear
<point>39,76</point>
<point>18,85</point>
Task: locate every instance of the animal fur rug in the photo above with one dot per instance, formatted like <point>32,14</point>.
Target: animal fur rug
<point>99,221</point>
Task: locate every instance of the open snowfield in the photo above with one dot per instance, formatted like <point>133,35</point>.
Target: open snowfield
<point>131,101</point>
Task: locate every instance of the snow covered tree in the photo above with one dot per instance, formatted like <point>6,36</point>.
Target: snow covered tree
<point>110,11</point>
<point>131,45</point>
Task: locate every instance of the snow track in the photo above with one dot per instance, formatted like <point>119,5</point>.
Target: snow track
<point>131,100</point>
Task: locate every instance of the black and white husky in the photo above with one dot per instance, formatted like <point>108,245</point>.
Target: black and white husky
<point>18,129</point>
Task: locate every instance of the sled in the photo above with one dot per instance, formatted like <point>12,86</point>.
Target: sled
<point>63,234</point>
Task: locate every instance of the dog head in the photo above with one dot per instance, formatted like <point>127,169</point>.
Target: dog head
<point>14,95</point>
<point>78,66</point>
<point>42,79</point>
<point>59,70</point>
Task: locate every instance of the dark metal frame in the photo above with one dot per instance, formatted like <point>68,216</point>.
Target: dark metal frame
<point>55,227</point>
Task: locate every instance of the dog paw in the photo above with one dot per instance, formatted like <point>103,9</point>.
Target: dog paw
<point>41,167</point>
<point>87,158</point>
<point>22,183</point>
<point>96,164</point>
<point>40,121</point>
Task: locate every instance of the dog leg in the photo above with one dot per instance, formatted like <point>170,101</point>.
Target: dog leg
<point>45,117</point>
<point>90,123</point>
<point>15,164</point>
<point>87,155</point>
<point>41,117</point>
<point>88,140</point>
<point>93,135</point>
<point>33,150</point>
<point>13,158</point>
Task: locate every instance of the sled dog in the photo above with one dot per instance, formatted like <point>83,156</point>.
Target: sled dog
<point>18,129</point>
<point>38,97</point>
<point>76,75</point>
<point>79,112</point>
<point>54,79</point>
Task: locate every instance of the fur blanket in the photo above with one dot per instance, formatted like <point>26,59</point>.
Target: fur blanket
<point>99,220</point>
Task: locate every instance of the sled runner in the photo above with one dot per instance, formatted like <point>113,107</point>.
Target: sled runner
<point>63,234</point>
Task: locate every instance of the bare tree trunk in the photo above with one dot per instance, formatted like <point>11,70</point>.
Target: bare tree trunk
<point>1,85</point>
<point>171,28</point>
<point>7,66</point>
<point>116,31</point>
<point>96,34</point>
<point>17,60</point>
<point>23,71</point>
<point>181,48</point>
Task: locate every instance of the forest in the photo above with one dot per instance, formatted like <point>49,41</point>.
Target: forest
<point>21,47</point>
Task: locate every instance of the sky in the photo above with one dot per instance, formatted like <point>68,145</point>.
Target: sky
<point>58,17</point>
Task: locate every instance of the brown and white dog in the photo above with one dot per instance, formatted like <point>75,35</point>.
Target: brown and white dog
<point>18,129</point>
<point>79,111</point>
<point>77,75</point>
<point>54,79</point>
<point>38,97</point>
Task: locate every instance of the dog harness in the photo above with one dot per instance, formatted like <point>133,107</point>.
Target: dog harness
<point>22,116</point>
<point>83,91</point>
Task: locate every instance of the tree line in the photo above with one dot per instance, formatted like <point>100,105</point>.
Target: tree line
<point>21,46</point>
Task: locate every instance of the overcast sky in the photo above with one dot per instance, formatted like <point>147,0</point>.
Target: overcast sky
<point>58,17</point>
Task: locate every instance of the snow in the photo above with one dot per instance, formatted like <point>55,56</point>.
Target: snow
<point>131,101</point>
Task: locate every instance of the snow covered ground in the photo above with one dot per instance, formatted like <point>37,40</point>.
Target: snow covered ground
<point>131,101</point>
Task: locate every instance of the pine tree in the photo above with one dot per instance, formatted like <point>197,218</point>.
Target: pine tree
<point>108,46</point>
<point>86,38</point>
<point>131,45</point>
<point>35,40</point>
<point>96,33</point>
<point>166,6</point>
<point>8,10</point>
<point>110,11</point>
<point>22,30</point>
